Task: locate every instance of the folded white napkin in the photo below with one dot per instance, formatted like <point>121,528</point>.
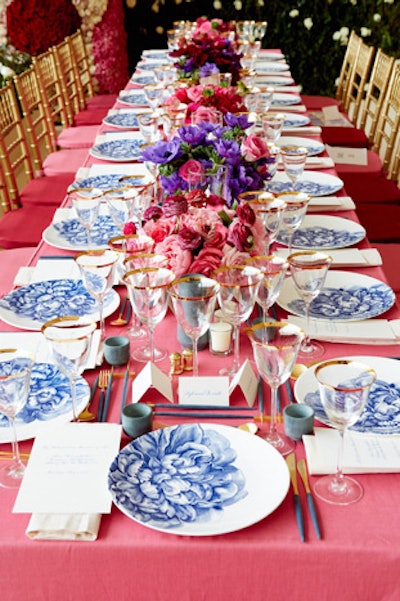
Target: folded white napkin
<point>368,331</point>
<point>122,168</point>
<point>318,204</point>
<point>292,108</point>
<point>309,130</point>
<point>363,453</point>
<point>348,257</point>
<point>315,163</point>
<point>64,526</point>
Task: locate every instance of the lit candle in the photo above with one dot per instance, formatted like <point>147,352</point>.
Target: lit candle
<point>220,338</point>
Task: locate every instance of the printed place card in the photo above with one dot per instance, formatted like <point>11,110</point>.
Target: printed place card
<point>151,377</point>
<point>246,380</point>
<point>209,390</point>
<point>348,156</point>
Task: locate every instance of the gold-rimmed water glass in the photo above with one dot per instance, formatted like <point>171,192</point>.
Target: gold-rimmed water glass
<point>149,126</point>
<point>269,209</point>
<point>153,93</point>
<point>274,269</point>
<point>193,300</point>
<point>97,268</point>
<point>15,375</point>
<point>86,206</point>
<point>148,292</point>
<point>294,160</point>
<point>294,213</point>
<point>70,340</point>
<point>121,205</point>
<point>237,295</point>
<point>275,348</point>
<point>344,386</point>
<point>272,124</point>
<point>309,270</point>
<point>144,193</point>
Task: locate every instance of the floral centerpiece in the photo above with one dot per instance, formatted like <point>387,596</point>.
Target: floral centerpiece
<point>198,233</point>
<point>204,147</point>
<point>206,98</point>
<point>209,51</point>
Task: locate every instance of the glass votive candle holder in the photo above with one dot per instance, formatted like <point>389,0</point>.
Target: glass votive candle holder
<point>220,337</point>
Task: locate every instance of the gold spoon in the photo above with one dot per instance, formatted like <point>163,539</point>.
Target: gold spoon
<point>300,368</point>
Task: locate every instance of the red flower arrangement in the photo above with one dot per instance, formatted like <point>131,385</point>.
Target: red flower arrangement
<point>225,100</point>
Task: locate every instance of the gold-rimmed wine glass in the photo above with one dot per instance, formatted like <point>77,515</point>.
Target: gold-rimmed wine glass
<point>236,297</point>
<point>121,205</point>
<point>193,299</point>
<point>309,270</point>
<point>70,340</point>
<point>344,387</point>
<point>294,213</point>
<point>86,205</point>
<point>294,160</point>
<point>275,348</point>
<point>272,124</point>
<point>15,375</point>
<point>274,269</point>
<point>270,210</point>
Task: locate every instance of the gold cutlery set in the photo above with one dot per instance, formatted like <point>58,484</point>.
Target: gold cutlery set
<point>301,468</point>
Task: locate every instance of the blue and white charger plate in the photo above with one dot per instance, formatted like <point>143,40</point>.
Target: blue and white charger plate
<point>134,99</point>
<point>150,65</point>
<point>271,67</point>
<point>311,182</point>
<point>119,151</point>
<point>69,234</point>
<point>325,232</point>
<point>295,120</point>
<point>346,296</point>
<point>382,412</point>
<point>29,307</point>
<point>198,479</point>
<point>313,146</point>
<point>104,182</point>
<point>122,120</point>
<point>281,98</point>
<point>143,80</point>
<point>155,54</point>
<point>49,402</point>
<point>274,80</point>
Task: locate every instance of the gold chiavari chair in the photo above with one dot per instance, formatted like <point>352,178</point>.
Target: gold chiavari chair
<point>355,89</point>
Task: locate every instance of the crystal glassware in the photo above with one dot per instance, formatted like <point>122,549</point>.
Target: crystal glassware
<point>344,387</point>
<point>294,213</point>
<point>270,210</point>
<point>97,268</point>
<point>148,291</point>
<point>121,205</point>
<point>272,124</point>
<point>275,347</point>
<point>70,341</point>
<point>15,375</point>
<point>274,269</point>
<point>237,295</point>
<point>193,299</point>
<point>309,270</point>
<point>153,93</point>
<point>148,125</point>
<point>86,205</point>
<point>294,160</point>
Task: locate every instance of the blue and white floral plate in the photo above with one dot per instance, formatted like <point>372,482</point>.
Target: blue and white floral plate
<point>271,67</point>
<point>382,412</point>
<point>104,182</point>
<point>281,98</point>
<point>119,151</point>
<point>29,307</point>
<point>133,98</point>
<point>69,234</point>
<point>311,182</point>
<point>122,120</point>
<point>313,146</point>
<point>346,296</point>
<point>49,402</point>
<point>155,54</point>
<point>150,65</point>
<point>143,80</point>
<point>295,120</point>
<point>274,80</point>
<point>324,232</point>
<point>198,479</point>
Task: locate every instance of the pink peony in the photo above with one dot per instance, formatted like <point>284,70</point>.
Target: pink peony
<point>159,229</point>
<point>207,113</point>
<point>254,148</point>
<point>179,260</point>
<point>232,256</point>
<point>207,261</point>
<point>203,221</point>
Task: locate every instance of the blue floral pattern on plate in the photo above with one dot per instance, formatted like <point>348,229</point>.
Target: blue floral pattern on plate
<point>126,120</point>
<point>75,234</point>
<point>104,182</point>
<point>295,120</point>
<point>42,301</point>
<point>49,399</point>
<point>312,146</point>
<point>156,55</point>
<point>315,185</point>
<point>143,80</point>
<point>150,66</point>
<point>285,99</point>
<point>322,237</point>
<point>133,99</point>
<point>118,150</point>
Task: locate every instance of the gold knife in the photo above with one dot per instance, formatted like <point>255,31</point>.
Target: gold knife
<point>291,463</point>
<point>301,466</point>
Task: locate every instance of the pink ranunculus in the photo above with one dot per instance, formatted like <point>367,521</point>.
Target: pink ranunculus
<point>246,214</point>
<point>178,259</point>
<point>206,113</point>
<point>188,239</point>
<point>254,148</point>
<point>174,205</point>
<point>206,261</point>
<point>217,238</point>
<point>195,93</point>
<point>159,229</point>
<point>129,228</point>
<point>202,220</point>
<point>193,168</point>
<point>240,236</point>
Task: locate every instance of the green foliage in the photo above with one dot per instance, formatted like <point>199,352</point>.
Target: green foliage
<point>12,62</point>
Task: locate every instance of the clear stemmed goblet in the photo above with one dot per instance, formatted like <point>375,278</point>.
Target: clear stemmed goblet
<point>269,209</point>
<point>293,215</point>
<point>236,297</point>
<point>142,193</point>
<point>274,269</point>
<point>265,100</point>
<point>272,124</point>
<point>86,205</point>
<point>309,270</point>
<point>153,94</point>
<point>294,160</point>
<point>121,205</point>
<point>70,340</point>
<point>344,386</point>
<point>15,374</point>
<point>275,347</point>
<point>97,268</point>
<point>148,291</point>
<point>148,125</point>
<point>193,299</point>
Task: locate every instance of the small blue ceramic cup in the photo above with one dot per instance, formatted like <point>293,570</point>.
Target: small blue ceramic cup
<point>117,350</point>
<point>298,419</point>
<point>136,419</point>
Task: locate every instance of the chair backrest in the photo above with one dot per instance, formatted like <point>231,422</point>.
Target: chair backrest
<point>51,88</point>
<point>355,91</point>
<point>349,60</point>
<point>39,125</point>
<point>69,78</point>
<point>82,62</point>
<point>387,129</point>
<point>376,91</point>
<point>15,162</point>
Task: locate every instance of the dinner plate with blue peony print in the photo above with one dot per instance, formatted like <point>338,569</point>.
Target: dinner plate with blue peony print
<point>29,307</point>
<point>119,151</point>
<point>69,234</point>
<point>104,182</point>
<point>143,80</point>
<point>49,402</point>
<point>294,120</point>
<point>122,120</point>
<point>198,479</point>
<point>313,146</point>
<point>324,232</point>
<point>134,99</point>
<point>274,80</point>
<point>281,98</point>
<point>311,182</point>
<point>271,67</point>
<point>382,412</point>
<point>346,296</point>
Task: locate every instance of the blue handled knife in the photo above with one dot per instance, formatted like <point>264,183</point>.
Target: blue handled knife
<point>301,466</point>
<point>291,463</point>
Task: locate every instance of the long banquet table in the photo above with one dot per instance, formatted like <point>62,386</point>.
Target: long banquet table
<point>358,557</point>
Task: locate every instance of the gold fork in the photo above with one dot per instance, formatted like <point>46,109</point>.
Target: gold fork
<point>121,320</point>
<point>100,382</point>
<point>104,378</point>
